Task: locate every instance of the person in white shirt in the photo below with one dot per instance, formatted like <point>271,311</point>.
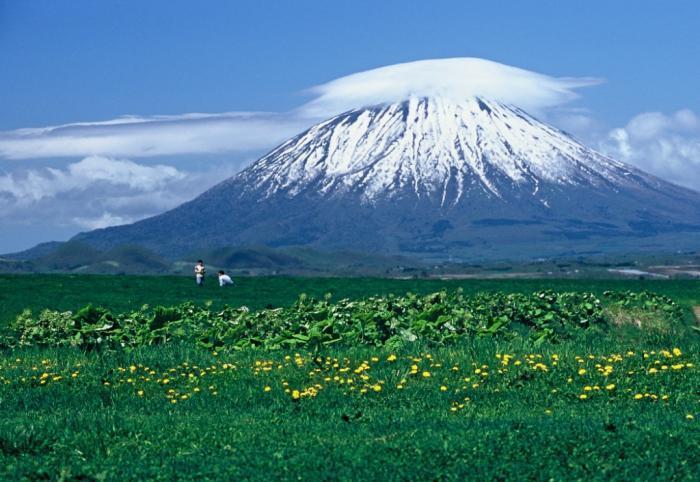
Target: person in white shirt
<point>199,272</point>
<point>224,279</point>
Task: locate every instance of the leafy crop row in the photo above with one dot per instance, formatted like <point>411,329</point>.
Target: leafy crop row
<point>391,321</point>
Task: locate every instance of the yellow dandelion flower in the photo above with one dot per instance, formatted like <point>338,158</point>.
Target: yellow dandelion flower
<point>610,386</point>
<point>267,389</point>
<point>638,396</point>
<point>583,396</point>
<point>443,388</point>
<point>426,374</point>
<point>689,416</point>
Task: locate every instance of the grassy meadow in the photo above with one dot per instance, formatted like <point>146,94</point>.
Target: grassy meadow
<point>623,404</point>
<point>122,293</point>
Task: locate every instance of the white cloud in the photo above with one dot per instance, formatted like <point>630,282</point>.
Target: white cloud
<point>138,137</point>
<point>454,78</point>
<point>29,186</point>
<point>665,145</point>
<point>97,192</point>
<point>153,136</point>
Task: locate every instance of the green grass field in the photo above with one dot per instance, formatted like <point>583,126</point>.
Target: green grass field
<point>121,293</point>
<point>619,406</point>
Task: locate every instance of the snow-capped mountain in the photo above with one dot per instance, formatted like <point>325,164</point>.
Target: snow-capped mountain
<point>430,147</point>
<point>430,177</point>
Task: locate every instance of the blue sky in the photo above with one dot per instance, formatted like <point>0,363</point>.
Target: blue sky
<point>74,61</point>
<point>84,60</point>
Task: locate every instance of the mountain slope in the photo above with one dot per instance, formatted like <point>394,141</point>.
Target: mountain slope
<point>433,179</point>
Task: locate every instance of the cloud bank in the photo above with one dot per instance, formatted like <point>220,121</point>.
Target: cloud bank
<point>30,186</point>
<point>98,191</point>
<point>665,145</point>
<point>137,137</point>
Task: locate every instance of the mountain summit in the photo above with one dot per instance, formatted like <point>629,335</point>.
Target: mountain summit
<point>429,148</point>
<point>432,178</point>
